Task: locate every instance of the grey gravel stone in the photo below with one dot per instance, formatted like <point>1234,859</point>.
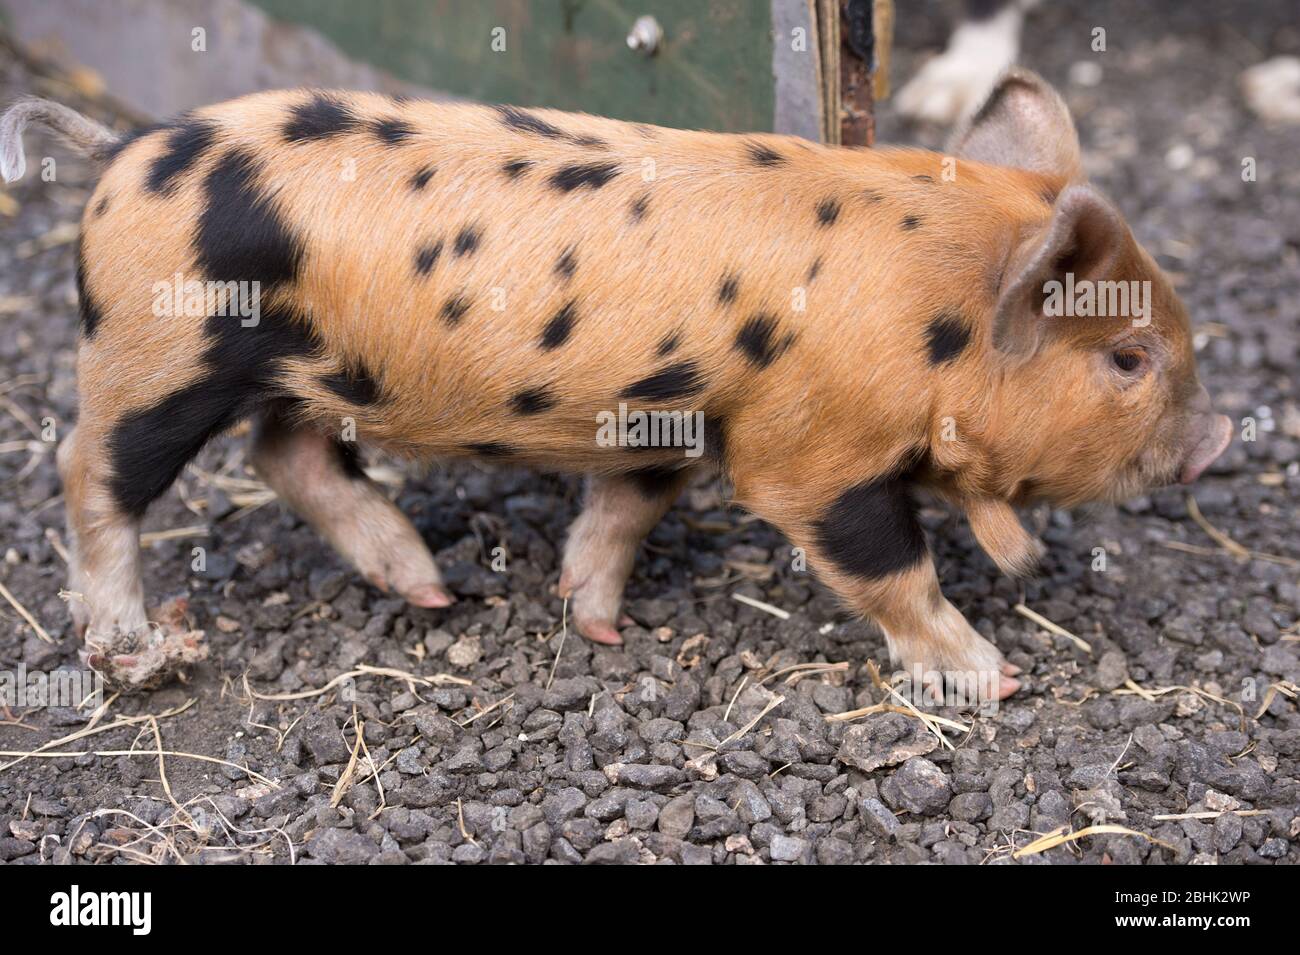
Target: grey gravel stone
<point>677,816</point>
<point>563,805</point>
<point>970,807</point>
<point>644,776</point>
<point>1274,848</point>
<point>1112,670</point>
<point>744,763</point>
<point>787,849</point>
<point>618,852</point>
<point>878,818</point>
<point>884,739</point>
<point>919,786</point>
<point>341,847</point>
<point>750,803</point>
<point>12,848</point>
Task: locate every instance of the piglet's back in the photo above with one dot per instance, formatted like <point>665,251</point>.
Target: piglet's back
<point>442,272</point>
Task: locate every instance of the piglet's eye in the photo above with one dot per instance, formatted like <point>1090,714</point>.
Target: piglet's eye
<point>1128,359</point>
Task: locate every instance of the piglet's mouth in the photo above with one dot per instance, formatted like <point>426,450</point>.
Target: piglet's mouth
<point>1217,435</point>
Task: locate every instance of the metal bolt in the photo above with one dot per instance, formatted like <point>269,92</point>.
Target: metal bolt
<point>646,35</point>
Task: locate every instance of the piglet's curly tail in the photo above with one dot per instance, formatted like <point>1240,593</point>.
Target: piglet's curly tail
<point>85,135</point>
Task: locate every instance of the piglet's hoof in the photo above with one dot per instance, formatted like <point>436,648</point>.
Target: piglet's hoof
<point>146,659</point>
<point>598,631</point>
<point>431,596</point>
<point>1007,682</point>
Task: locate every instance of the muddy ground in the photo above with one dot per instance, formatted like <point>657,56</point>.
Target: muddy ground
<point>525,746</point>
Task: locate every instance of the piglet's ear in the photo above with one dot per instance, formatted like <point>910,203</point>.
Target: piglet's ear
<point>1024,124</point>
<point>1083,240</point>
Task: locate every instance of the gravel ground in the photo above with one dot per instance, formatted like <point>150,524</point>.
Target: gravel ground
<point>546,749</point>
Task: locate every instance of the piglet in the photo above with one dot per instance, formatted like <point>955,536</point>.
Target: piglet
<point>839,328</point>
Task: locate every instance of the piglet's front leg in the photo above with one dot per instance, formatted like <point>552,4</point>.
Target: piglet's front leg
<point>869,548</point>
<point>1002,536</point>
<point>929,638</point>
<point>620,510</point>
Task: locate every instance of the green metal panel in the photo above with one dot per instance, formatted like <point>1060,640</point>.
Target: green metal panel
<point>713,70</point>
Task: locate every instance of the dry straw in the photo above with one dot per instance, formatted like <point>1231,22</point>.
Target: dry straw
<point>53,749</point>
<point>933,723</point>
<point>1151,694</point>
<point>362,669</point>
<point>1063,835</point>
<point>763,606</point>
<point>25,614</point>
<point>1055,628</point>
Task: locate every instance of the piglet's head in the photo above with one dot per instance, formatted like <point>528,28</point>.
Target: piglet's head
<point>1095,394</point>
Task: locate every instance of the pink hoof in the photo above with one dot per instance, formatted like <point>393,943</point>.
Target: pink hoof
<point>431,596</point>
<point>599,632</point>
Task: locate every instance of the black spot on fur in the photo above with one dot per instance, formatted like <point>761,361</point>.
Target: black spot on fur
<point>109,152</point>
<point>945,336</point>
<point>532,401</point>
<point>910,222</point>
<point>923,178</point>
<point>763,156</point>
<point>101,207</point>
<point>349,458</point>
<point>426,257</point>
<point>319,118</point>
<point>454,309</point>
<point>354,384</point>
<point>591,175</point>
<point>567,263</point>
<point>422,177</point>
<point>676,381</point>
<point>654,482</point>
<point>729,288</point>
<point>669,344</point>
<point>559,328</point>
<point>492,449</point>
<point>870,195</point>
<point>185,145</point>
<point>394,132</point>
<point>467,240</point>
<point>240,236</point>
<point>828,210</point>
<point>871,530</point>
<point>757,340</point>
<point>516,167</point>
<point>90,313</point>
<point>241,371</point>
<point>525,122</point>
<point>638,208</point>
<point>715,440</point>
<point>814,270</point>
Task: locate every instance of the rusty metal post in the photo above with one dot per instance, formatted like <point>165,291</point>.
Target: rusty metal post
<point>857,57</point>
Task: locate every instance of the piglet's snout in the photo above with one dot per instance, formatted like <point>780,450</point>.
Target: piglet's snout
<point>1208,436</point>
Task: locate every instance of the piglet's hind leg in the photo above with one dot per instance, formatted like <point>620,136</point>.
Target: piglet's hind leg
<point>319,478</point>
<point>106,594</point>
